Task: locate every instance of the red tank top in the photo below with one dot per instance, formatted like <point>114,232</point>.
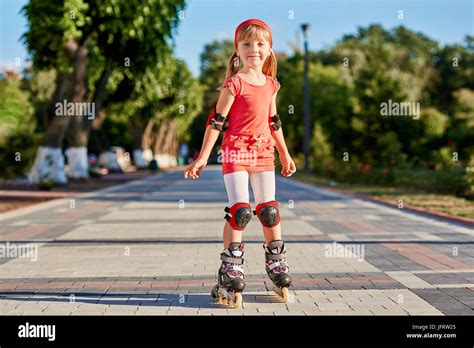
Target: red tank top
<point>248,143</point>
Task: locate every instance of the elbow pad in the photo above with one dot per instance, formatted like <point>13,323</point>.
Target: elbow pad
<point>219,122</point>
<point>276,122</point>
<point>217,117</point>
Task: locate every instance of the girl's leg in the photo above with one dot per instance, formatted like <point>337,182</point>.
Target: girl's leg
<point>276,266</point>
<point>237,187</point>
<point>263,187</point>
<point>230,235</point>
<point>231,273</point>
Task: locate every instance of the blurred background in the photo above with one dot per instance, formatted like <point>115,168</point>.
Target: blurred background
<point>93,88</point>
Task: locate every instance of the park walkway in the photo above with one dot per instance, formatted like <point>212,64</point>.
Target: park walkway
<point>152,246</point>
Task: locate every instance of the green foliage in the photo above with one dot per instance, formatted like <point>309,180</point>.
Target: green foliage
<point>166,91</point>
<point>40,86</point>
<point>17,141</point>
<point>323,154</point>
<point>118,131</point>
<point>460,132</point>
<point>17,153</point>
<point>121,49</point>
<point>455,180</point>
<point>214,59</point>
<point>15,109</point>
<point>350,82</point>
<point>132,29</point>
<point>332,109</point>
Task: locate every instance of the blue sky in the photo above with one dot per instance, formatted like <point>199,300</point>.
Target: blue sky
<point>447,21</point>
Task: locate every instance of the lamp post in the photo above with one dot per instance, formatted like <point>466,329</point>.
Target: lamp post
<point>307,112</point>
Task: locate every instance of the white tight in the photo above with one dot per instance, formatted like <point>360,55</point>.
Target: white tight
<point>237,186</point>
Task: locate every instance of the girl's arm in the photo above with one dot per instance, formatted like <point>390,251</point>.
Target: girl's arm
<point>278,135</point>
<point>226,99</point>
<point>288,166</point>
<point>280,142</point>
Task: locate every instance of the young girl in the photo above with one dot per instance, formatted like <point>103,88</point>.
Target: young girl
<point>246,111</point>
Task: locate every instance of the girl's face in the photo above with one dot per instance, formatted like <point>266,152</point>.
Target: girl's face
<point>252,52</point>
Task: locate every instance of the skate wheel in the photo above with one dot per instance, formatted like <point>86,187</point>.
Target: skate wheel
<point>285,294</point>
<point>237,303</point>
<point>214,292</point>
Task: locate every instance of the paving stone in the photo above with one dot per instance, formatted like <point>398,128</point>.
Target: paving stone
<point>126,256</point>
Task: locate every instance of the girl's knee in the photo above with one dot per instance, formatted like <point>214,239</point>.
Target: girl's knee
<point>268,214</point>
<point>238,215</point>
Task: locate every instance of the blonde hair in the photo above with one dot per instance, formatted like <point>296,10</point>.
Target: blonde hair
<point>252,32</point>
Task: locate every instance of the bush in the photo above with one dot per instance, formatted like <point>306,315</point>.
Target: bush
<point>364,174</point>
<point>17,124</point>
<point>17,153</point>
<point>454,180</point>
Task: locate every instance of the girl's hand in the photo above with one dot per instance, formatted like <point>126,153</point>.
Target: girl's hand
<point>194,169</point>
<point>288,166</point>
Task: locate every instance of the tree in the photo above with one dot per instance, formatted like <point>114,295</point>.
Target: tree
<point>86,41</point>
<point>331,106</point>
<point>165,101</point>
<point>214,59</point>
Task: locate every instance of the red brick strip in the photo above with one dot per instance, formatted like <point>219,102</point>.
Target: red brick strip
<point>428,257</point>
<point>25,232</point>
<point>37,194</point>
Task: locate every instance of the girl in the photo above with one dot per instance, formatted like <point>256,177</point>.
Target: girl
<point>246,111</point>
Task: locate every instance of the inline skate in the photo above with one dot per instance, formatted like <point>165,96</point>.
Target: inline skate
<point>277,268</point>
<point>230,282</point>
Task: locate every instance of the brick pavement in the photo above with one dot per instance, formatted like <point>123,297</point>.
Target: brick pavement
<point>151,247</point>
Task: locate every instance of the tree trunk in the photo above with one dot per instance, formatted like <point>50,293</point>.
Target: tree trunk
<point>78,131</point>
<point>168,142</point>
<point>164,143</point>
<point>80,127</point>
<point>147,139</point>
<point>175,144</point>
<point>99,143</point>
<point>142,135</point>
<point>60,94</point>
<point>158,141</point>
<point>98,140</point>
<point>173,147</point>
<point>49,161</point>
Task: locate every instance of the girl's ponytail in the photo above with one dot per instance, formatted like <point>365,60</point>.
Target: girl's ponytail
<point>270,66</point>
<point>233,67</point>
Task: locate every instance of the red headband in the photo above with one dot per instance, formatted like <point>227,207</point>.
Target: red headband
<point>252,21</point>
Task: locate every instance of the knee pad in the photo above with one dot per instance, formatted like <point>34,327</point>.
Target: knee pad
<point>268,213</point>
<point>240,215</point>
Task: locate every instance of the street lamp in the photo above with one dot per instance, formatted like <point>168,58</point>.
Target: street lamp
<point>307,112</point>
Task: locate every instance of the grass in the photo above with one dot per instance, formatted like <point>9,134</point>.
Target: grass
<point>448,204</point>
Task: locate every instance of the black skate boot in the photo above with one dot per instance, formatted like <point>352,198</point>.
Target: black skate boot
<point>277,268</point>
<point>230,283</point>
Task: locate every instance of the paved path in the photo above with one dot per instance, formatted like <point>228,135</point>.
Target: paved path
<point>152,247</point>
